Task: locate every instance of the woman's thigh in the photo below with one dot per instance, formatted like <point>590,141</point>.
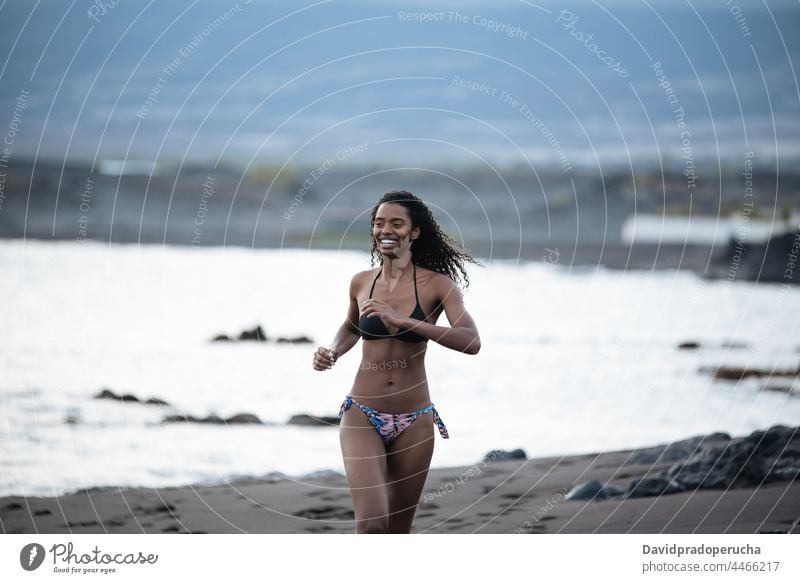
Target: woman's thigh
<point>364,456</point>
<point>408,460</point>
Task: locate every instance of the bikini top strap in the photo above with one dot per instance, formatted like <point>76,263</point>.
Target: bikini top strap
<point>373,282</point>
<point>416,294</point>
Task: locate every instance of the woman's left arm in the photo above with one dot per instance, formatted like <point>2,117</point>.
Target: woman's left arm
<point>462,335</point>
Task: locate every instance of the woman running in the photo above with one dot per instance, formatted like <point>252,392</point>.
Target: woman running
<point>387,420</point>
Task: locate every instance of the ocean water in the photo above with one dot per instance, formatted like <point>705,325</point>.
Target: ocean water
<point>572,361</point>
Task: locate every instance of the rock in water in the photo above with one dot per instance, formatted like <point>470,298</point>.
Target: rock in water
<point>244,418</point>
<point>593,490</point>
<point>688,345</point>
<point>256,333</point>
<point>310,420</point>
<point>212,419</point>
<point>764,262</point>
<point>109,394</point>
<point>294,340</point>
<point>500,455</point>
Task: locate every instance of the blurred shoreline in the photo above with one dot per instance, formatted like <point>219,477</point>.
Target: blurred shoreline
<point>586,219</point>
<point>766,262</point>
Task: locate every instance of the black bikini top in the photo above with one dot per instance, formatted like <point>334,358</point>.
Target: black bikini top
<point>372,328</point>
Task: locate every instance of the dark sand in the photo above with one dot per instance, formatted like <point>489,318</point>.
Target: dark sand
<point>497,497</point>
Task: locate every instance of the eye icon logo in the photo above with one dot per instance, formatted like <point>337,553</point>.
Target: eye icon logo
<point>31,556</point>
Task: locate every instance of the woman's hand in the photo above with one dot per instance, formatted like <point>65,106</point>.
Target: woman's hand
<point>390,318</point>
<point>324,358</point>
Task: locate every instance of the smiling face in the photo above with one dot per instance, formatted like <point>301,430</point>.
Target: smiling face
<point>392,230</point>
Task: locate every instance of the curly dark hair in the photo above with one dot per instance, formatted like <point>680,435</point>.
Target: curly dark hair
<point>433,249</point>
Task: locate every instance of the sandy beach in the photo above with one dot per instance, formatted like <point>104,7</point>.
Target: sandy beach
<point>516,496</point>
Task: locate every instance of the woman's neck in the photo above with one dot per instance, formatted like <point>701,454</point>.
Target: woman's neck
<point>395,267</point>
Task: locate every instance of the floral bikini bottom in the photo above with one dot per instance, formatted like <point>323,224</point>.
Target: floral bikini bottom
<point>389,426</point>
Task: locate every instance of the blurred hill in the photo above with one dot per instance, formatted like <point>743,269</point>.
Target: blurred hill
<point>455,82</point>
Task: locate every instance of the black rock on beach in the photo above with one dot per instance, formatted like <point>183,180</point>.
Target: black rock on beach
<point>713,461</point>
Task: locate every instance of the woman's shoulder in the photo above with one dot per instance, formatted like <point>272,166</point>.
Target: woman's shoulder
<point>434,278</point>
<point>360,277</point>
<point>430,272</point>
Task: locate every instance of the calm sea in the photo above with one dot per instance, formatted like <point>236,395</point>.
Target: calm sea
<point>573,361</point>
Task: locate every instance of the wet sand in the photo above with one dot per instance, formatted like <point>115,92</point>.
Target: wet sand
<point>521,496</point>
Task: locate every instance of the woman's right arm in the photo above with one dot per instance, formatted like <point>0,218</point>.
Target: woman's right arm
<point>346,336</point>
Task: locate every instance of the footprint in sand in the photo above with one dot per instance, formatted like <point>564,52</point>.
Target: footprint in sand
<point>462,527</point>
<point>333,498</point>
<point>82,524</point>
<point>537,528</point>
<point>323,528</point>
<point>139,509</point>
<point>327,513</point>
